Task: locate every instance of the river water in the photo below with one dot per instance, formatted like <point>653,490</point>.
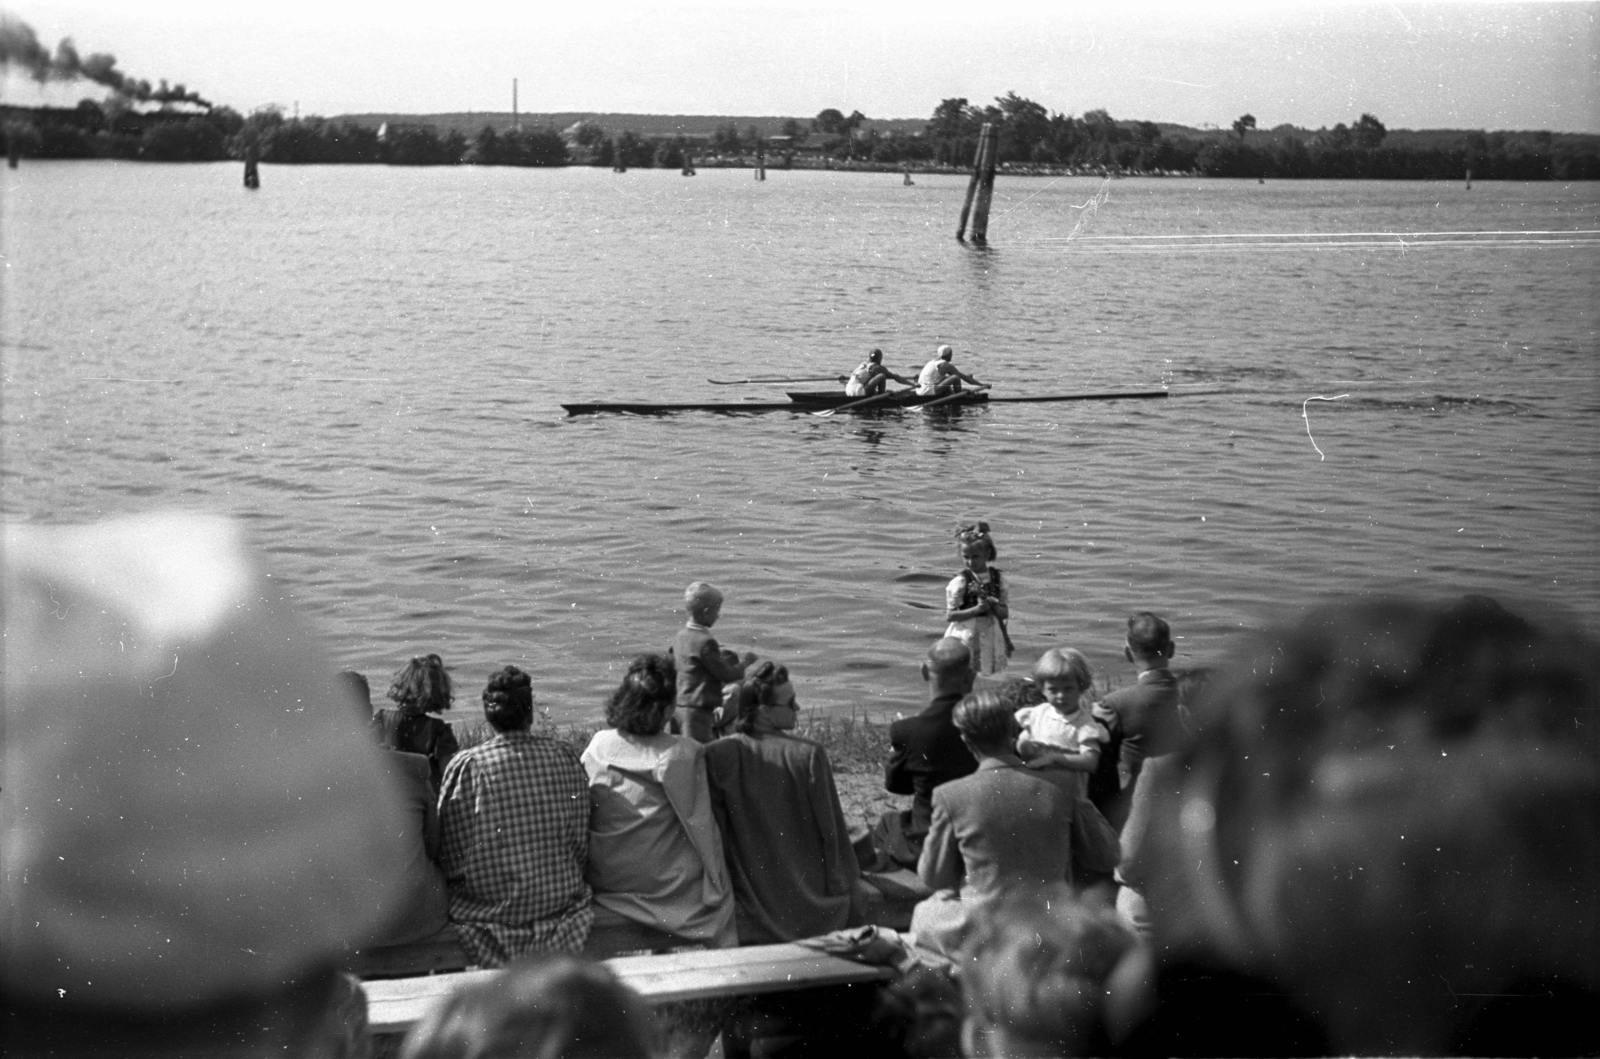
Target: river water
<point>366,365</point>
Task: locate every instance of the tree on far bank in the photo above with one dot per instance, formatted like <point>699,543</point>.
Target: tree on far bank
<point>830,122</point>
<point>1369,132</point>
<point>795,131</point>
<point>1243,123</point>
<point>725,139</point>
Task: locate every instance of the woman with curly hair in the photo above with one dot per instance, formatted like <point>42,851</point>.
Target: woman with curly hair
<point>977,602</point>
<point>421,687</point>
<point>655,855</point>
<point>794,872</point>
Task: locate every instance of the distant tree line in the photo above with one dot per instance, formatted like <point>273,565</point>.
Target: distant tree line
<point>95,130</point>
<point>1029,135</point>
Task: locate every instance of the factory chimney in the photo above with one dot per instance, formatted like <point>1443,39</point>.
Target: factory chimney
<point>516,121</point>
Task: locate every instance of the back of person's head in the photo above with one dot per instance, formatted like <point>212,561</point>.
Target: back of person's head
<point>1034,976</point>
<point>188,809</point>
<point>918,1016</point>
<point>876,356</point>
<point>508,700</point>
<point>756,691</point>
<point>549,1007</point>
<point>1149,636</point>
<point>1392,810</point>
<point>1063,664</point>
<point>700,596</point>
<point>950,662</point>
<point>987,721</point>
<point>422,685</point>
<point>644,701</point>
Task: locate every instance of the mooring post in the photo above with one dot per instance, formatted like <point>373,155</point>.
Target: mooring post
<point>972,185</point>
<point>617,164</point>
<point>252,159</point>
<point>980,213</point>
<point>761,164</point>
<point>688,164</point>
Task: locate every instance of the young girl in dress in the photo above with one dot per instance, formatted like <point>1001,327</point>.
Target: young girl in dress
<point>977,602</point>
<point>1062,732</point>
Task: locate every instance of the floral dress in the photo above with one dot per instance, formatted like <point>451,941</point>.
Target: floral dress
<point>982,634</point>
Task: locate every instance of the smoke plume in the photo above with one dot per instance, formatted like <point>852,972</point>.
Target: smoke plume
<point>19,46</point>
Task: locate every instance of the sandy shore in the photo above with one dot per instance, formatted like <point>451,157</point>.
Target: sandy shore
<point>863,798</point>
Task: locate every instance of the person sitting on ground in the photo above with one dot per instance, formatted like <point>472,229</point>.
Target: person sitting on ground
<point>193,832</point>
<point>939,376</point>
<point>1060,732</point>
<point>701,666</point>
<point>794,872</point>
<point>420,687</point>
<point>871,378</point>
<point>1005,829</point>
<point>1035,976</point>
<point>1141,721</point>
<point>924,751</point>
<point>545,1007</point>
<point>655,855</point>
<point>515,812</point>
<point>425,909</point>
<point>1384,838</point>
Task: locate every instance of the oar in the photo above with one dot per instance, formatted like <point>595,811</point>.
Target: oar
<point>957,394</point>
<point>775,378</point>
<point>865,400</point>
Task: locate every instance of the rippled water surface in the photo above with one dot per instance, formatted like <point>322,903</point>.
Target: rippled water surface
<point>367,364</point>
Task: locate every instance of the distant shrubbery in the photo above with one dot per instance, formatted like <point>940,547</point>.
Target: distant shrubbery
<point>93,130</point>
<point>1029,137</point>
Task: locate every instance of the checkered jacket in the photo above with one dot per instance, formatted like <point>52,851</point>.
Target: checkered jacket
<point>515,816</point>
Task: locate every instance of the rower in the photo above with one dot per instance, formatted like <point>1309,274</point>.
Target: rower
<point>939,376</point>
<point>871,377</point>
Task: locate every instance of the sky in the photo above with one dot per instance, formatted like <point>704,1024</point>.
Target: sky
<point>1428,65</point>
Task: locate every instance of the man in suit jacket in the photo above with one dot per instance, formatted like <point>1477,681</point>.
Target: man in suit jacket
<point>926,750</point>
<point>1004,830</point>
<point>1143,719</point>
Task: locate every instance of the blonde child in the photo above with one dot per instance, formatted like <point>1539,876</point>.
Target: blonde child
<point>1061,732</point>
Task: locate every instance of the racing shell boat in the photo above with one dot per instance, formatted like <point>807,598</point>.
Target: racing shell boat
<point>822,400</point>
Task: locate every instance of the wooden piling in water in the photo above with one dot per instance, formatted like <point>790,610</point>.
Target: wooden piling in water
<point>972,185</point>
<point>761,164</point>
<point>617,164</point>
<point>252,171</point>
<point>688,164</point>
<point>980,211</point>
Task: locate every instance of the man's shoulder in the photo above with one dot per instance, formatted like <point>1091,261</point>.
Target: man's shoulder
<point>1150,691</point>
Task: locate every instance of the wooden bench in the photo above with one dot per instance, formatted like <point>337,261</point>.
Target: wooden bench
<point>394,1005</point>
<point>894,894</point>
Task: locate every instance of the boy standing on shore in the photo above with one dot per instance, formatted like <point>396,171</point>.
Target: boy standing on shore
<point>701,668</point>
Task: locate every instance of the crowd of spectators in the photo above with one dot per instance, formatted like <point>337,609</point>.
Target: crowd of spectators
<point>1374,829</point>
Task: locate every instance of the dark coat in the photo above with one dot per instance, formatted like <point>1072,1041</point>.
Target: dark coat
<point>925,751</point>
<point>1143,722</point>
